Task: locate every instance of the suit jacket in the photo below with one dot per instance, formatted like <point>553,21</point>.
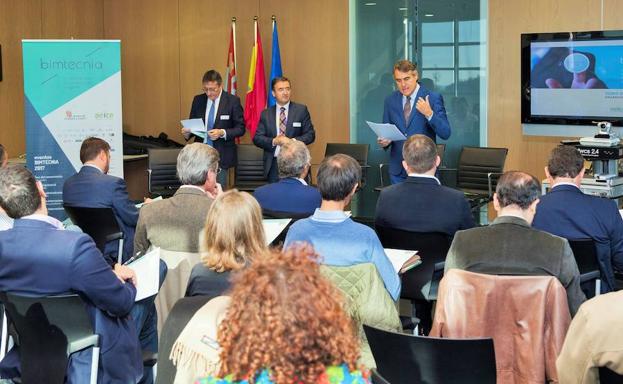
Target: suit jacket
<point>93,189</point>
<point>567,212</point>
<point>288,195</point>
<point>508,246</point>
<point>592,341</point>
<point>417,124</point>
<point>36,259</point>
<point>298,126</point>
<point>229,117</point>
<point>173,224</point>
<point>421,204</point>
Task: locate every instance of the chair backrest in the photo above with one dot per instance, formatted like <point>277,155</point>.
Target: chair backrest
<point>250,169</point>
<point>162,171</point>
<point>281,238</point>
<point>179,316</point>
<point>585,255</point>
<point>418,283</point>
<point>441,150</point>
<point>48,329</point>
<point>99,223</point>
<point>607,376</point>
<point>358,152</point>
<point>475,163</point>
<point>402,358</point>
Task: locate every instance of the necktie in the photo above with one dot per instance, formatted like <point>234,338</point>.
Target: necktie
<point>407,110</point>
<point>282,121</point>
<point>210,124</point>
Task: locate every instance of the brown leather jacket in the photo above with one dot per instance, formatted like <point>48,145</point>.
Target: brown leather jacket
<point>527,317</point>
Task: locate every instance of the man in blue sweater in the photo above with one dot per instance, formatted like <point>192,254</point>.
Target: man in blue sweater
<point>338,239</point>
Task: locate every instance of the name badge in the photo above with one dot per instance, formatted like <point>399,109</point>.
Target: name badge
<point>224,117</point>
<point>297,124</point>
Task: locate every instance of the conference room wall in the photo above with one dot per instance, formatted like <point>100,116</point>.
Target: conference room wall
<point>167,45</point>
<point>507,20</point>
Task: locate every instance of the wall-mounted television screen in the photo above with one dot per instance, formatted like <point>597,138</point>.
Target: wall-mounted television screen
<point>572,78</point>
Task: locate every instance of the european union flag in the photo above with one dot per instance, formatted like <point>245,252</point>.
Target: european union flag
<point>275,65</point>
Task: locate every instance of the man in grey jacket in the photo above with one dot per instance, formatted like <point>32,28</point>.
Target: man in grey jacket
<point>509,246</point>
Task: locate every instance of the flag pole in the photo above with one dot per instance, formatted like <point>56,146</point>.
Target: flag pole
<point>233,26</point>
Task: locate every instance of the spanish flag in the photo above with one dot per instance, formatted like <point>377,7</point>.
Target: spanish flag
<point>256,93</point>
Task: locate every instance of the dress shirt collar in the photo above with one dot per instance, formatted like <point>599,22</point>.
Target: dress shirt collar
<point>413,95</point>
<point>301,180</point>
<point>286,106</point>
<point>565,183</point>
<point>510,219</point>
<point>46,219</point>
<point>329,216</point>
<point>93,166</point>
<point>425,176</point>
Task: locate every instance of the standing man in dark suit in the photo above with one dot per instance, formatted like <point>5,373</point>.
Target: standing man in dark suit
<point>414,110</point>
<point>281,123</point>
<point>39,258</point>
<point>222,115</point>
<point>567,212</point>
<point>421,203</point>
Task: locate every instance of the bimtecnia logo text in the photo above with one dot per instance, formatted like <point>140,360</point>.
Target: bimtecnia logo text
<point>70,64</point>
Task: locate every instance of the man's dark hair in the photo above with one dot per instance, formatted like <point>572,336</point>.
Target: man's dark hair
<point>337,176</point>
<point>212,75</point>
<point>565,161</point>
<point>2,154</point>
<point>405,66</point>
<point>91,148</point>
<point>19,195</point>
<point>420,153</point>
<point>519,188</point>
<point>278,79</point>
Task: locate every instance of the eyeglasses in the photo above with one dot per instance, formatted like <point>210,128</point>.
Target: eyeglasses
<point>218,170</point>
<point>210,90</point>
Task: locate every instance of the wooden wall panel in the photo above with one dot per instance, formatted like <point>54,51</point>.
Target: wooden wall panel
<point>18,20</point>
<point>507,20</point>
<point>313,41</point>
<point>77,19</point>
<point>204,43</point>
<point>150,72</point>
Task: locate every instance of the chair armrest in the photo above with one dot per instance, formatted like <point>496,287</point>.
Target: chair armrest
<point>149,181</point>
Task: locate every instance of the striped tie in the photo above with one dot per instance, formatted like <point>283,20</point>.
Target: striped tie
<point>407,110</point>
<point>282,121</point>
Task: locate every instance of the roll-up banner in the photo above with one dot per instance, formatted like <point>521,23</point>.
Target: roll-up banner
<point>72,90</point>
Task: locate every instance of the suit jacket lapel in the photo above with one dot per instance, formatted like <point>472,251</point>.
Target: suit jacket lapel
<point>420,93</point>
<point>292,117</point>
<point>222,106</point>
<point>272,121</point>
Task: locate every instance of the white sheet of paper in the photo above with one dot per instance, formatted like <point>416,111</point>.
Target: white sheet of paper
<point>387,131</point>
<point>398,257</point>
<point>621,213</point>
<point>139,205</point>
<point>195,125</point>
<point>147,269</point>
<point>273,227</point>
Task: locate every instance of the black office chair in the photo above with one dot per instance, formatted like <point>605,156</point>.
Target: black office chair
<point>358,152</point>
<point>48,330</point>
<point>384,169</point>
<point>607,376</point>
<point>281,238</point>
<point>478,171</point>
<point>180,315</point>
<point>377,378</point>
<point>100,224</point>
<point>420,284</point>
<point>162,171</point>
<point>585,255</point>
<point>402,358</point>
<point>249,174</point>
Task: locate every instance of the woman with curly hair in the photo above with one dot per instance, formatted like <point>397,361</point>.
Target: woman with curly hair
<point>232,237</point>
<point>287,324</point>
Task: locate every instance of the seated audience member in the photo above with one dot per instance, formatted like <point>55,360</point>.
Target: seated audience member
<point>593,340</point>
<point>335,236</point>
<point>5,221</point>
<point>291,194</point>
<point>509,246</point>
<point>174,224</point>
<point>233,236</point>
<point>92,187</point>
<point>567,212</point>
<point>38,258</point>
<point>305,336</point>
<point>421,203</point>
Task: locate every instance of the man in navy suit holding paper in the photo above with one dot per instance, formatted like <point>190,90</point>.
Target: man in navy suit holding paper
<point>414,110</point>
<point>222,115</point>
<point>281,123</point>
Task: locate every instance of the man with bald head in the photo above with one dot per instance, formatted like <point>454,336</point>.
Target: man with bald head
<point>510,246</point>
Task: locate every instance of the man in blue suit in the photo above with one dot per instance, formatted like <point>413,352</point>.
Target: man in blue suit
<point>421,203</point>
<point>291,194</point>
<point>92,187</point>
<point>567,212</point>
<point>414,110</point>
<point>38,258</point>
<point>281,123</point>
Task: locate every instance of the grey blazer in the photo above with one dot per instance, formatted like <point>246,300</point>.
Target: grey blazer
<point>509,246</point>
